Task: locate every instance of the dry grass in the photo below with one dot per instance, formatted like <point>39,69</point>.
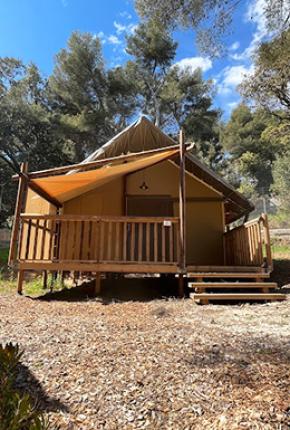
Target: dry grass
<point>154,365</point>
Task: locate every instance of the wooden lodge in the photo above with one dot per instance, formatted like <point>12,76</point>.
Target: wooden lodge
<point>142,203</point>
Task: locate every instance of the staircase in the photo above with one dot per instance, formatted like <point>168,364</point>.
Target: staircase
<point>233,287</point>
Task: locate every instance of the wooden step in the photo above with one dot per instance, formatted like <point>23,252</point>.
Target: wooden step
<point>232,285</point>
<point>206,297</point>
<point>232,275</point>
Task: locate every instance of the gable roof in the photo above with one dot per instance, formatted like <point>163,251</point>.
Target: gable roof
<point>142,135</point>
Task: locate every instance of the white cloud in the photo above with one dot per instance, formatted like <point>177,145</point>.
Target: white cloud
<point>255,14</point>
<point>232,105</point>
<point>231,77</point>
<point>195,62</point>
<point>120,28</point>
<point>114,40</point>
<point>235,46</point>
<point>124,28</point>
<point>125,14</point>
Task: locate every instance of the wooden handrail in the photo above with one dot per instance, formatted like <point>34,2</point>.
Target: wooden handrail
<point>97,218</point>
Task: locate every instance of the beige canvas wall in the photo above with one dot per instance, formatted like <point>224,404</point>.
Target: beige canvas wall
<point>204,220</point>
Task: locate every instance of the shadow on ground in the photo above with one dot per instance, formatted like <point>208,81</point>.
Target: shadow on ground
<point>26,383</point>
<point>281,272</point>
<point>122,289</point>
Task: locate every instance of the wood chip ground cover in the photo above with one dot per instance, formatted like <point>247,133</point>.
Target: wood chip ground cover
<point>153,365</point>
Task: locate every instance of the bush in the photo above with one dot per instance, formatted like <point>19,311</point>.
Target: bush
<point>17,411</point>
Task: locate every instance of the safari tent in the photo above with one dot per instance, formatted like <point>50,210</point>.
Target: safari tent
<point>142,204</point>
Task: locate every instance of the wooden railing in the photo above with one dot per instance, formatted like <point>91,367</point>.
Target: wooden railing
<point>74,238</point>
<point>249,244</point>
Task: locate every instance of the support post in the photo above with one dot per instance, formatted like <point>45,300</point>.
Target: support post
<point>20,279</point>
<point>267,241</point>
<point>97,288</point>
<point>44,279</point>
<point>182,217</point>
<point>22,188</point>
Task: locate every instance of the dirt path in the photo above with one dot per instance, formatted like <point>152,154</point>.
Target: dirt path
<point>155,365</point>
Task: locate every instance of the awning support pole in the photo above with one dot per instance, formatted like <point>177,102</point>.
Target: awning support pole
<point>22,188</point>
<point>182,217</point>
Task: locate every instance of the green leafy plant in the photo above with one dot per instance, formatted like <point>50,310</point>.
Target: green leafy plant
<point>17,411</point>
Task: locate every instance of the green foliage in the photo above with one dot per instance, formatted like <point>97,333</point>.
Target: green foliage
<point>252,153</point>
<point>269,84</point>
<point>281,186</point>
<point>89,102</point>
<point>211,19</point>
<point>4,256</point>
<point>17,411</point>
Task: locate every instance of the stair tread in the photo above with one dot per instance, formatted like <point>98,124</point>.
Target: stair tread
<point>227,275</point>
<point>237,296</point>
<point>232,285</point>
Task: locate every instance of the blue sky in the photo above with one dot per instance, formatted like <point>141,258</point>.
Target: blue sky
<point>35,30</point>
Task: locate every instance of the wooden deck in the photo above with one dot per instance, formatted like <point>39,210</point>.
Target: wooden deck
<point>150,245</point>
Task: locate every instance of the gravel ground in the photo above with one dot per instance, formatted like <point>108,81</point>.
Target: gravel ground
<point>153,365</point>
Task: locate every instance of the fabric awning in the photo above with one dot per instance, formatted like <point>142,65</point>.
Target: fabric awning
<point>66,187</point>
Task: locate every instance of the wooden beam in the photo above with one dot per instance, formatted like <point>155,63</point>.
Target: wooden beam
<point>182,217</point>
<point>87,166</point>
<point>182,202</point>
<point>99,267</point>
<point>22,188</point>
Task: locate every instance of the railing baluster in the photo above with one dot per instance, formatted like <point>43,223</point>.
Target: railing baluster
<point>132,244</point>
<point>102,234</point>
<point>52,239</point>
<point>117,240</point>
<point>163,242</point>
<point>110,239</point>
<point>155,241</point>
<point>35,240</point>
<point>28,240</point>
<point>125,237</point>
<point>43,240</point>
<point>171,258</point>
<point>147,256</point>
<point>140,242</point>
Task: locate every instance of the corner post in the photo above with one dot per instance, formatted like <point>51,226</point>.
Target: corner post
<point>182,217</point>
<point>267,241</point>
<point>22,187</point>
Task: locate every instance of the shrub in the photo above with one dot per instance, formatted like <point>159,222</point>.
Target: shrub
<point>17,411</point>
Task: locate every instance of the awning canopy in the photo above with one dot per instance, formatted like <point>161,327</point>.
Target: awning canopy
<point>66,187</point>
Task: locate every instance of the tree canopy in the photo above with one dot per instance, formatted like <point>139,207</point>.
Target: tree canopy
<point>269,85</point>
<point>211,19</point>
